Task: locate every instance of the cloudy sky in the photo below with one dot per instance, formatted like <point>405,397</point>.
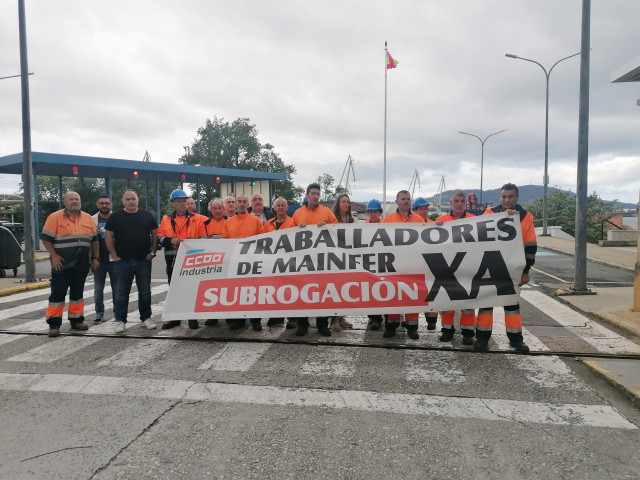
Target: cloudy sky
<point>118,78</point>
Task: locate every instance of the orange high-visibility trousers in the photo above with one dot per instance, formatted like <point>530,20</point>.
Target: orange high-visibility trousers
<point>512,321</point>
<point>467,321</point>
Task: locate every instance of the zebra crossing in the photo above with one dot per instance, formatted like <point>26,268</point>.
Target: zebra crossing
<point>428,368</point>
<point>32,364</point>
<point>24,313</point>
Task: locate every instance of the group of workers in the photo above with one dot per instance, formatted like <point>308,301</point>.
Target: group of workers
<point>122,244</point>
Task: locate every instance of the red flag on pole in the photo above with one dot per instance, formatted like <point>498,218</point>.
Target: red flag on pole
<point>391,63</point>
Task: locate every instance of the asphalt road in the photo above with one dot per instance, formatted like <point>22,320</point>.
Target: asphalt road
<point>209,403</point>
<point>552,268</point>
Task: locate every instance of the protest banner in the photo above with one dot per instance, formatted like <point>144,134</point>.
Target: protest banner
<point>350,269</point>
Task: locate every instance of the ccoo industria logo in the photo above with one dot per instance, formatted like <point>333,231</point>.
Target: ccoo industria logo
<point>199,262</point>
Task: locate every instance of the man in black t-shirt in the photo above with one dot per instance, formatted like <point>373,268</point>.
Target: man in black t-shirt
<point>132,239</point>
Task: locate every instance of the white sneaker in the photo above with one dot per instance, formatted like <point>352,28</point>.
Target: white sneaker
<point>149,324</point>
<point>119,327</point>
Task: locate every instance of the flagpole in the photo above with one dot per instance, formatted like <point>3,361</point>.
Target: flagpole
<point>384,167</point>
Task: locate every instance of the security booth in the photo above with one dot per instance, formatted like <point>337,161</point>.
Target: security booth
<point>227,180</point>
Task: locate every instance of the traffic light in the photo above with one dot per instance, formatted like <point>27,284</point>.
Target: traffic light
<point>135,174</point>
<point>253,183</point>
<point>218,179</point>
<point>74,170</point>
<point>183,177</point>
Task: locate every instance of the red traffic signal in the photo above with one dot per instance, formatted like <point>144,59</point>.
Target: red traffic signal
<point>218,179</point>
<point>135,174</point>
<point>182,177</point>
<point>74,170</point>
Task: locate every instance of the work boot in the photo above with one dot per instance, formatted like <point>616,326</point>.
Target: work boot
<point>256,325</point>
<point>302,330</point>
<point>335,324</point>
<point>344,324</point>
<point>412,332</point>
<point>324,331</point>
<point>81,326</point>
<point>390,330</point>
<point>481,345</point>
<point>170,324</point>
<point>467,339</point>
<point>447,336</point>
<point>520,346</point>
<point>193,324</point>
<point>237,324</point>
<point>211,322</point>
<point>376,324</point>
<point>431,325</point>
<point>54,332</point>
<point>291,323</point>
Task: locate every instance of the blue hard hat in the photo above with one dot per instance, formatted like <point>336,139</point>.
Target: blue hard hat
<point>177,193</point>
<point>374,205</point>
<point>420,202</point>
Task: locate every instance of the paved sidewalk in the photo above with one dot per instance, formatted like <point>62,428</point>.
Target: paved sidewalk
<point>614,305</point>
<point>10,284</point>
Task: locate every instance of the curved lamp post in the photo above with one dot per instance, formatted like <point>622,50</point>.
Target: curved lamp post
<point>545,179</point>
<point>482,154</point>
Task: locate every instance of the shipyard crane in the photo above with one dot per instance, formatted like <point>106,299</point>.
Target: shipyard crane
<point>347,173</point>
<point>412,185</point>
<point>442,187</point>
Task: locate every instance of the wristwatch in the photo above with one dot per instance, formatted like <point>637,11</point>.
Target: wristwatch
<point>153,254</point>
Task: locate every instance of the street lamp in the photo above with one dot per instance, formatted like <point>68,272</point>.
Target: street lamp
<point>545,179</point>
<point>482,154</point>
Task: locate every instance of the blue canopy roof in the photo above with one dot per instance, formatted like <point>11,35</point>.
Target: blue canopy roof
<point>55,164</point>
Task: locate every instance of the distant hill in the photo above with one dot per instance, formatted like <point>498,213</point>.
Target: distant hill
<point>528,193</point>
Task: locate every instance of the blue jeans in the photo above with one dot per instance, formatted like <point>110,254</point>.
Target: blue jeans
<point>124,271</point>
<point>99,278</point>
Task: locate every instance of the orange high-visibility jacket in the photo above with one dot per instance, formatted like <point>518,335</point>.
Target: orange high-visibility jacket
<point>173,226</point>
<point>447,217</point>
<point>270,225</point>
<point>395,217</point>
<point>241,225</point>
<point>71,236</point>
<point>311,217</point>
<point>528,233</point>
<point>214,227</point>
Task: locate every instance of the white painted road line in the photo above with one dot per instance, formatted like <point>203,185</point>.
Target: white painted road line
<point>575,415</point>
<point>54,350</point>
<point>599,337</point>
<point>41,324</point>
<point>6,338</point>
<point>236,357</point>
<point>441,367</point>
<point>139,354</point>
<point>266,334</point>
<point>43,304</point>
<point>548,372</point>
<point>334,362</point>
<point>28,295</point>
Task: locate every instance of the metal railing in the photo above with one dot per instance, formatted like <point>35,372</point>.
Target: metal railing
<point>595,229</point>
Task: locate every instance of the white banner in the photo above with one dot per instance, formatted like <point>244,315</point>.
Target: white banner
<point>350,269</point>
